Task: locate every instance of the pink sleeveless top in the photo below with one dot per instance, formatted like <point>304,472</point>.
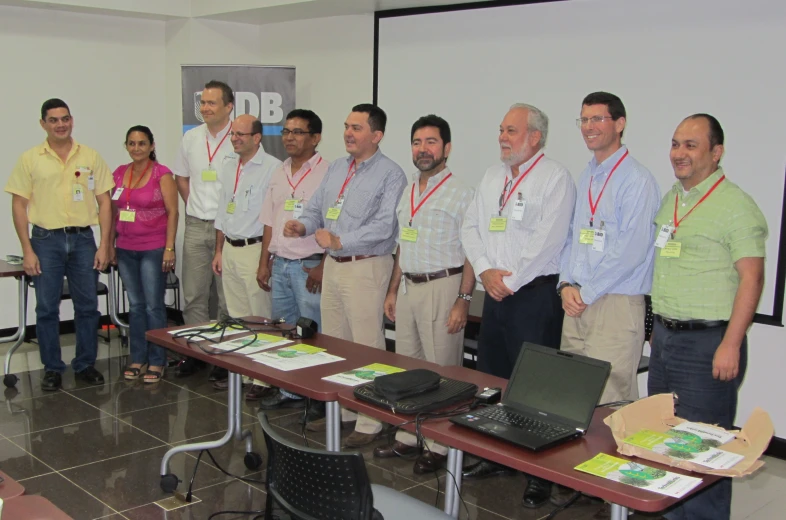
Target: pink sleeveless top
<point>148,231</point>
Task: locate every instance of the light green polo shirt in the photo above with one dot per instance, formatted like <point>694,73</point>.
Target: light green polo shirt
<point>702,282</point>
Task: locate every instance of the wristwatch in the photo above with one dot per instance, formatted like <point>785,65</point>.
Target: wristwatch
<point>562,286</point>
<point>465,296</point>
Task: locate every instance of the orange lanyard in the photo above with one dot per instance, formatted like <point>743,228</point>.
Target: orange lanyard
<point>237,178</point>
<point>503,199</point>
<point>414,209</point>
<point>350,174</point>
<point>294,186</point>
<point>212,156</point>
<point>594,206</point>
<point>677,198</point>
<point>129,188</point>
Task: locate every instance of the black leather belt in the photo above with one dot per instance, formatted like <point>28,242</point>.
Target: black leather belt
<point>540,280</point>
<point>690,324</point>
<point>243,241</point>
<point>427,277</point>
<point>69,230</point>
<point>315,256</point>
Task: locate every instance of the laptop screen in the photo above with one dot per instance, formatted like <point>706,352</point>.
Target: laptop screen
<point>560,385</point>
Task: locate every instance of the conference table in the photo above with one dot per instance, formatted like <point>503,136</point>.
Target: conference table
<point>15,271</point>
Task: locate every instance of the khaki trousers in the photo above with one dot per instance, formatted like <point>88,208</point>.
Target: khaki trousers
<point>421,331</point>
<point>611,329</point>
<point>352,297</point>
<point>242,293</point>
<point>199,246</point>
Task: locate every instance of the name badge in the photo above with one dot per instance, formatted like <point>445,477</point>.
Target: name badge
<point>297,210</point>
<point>498,224</point>
<point>587,236</point>
<point>333,213</point>
<point>91,182</point>
<point>78,193</point>
<point>340,202</point>
<point>599,241</point>
<point>231,207</point>
<point>127,215</point>
<point>664,235</point>
<point>518,210</point>
<point>671,249</point>
<point>117,193</point>
<point>289,205</point>
<point>209,175</point>
<point>409,234</point>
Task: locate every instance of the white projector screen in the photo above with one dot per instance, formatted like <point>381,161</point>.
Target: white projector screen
<point>666,59</point>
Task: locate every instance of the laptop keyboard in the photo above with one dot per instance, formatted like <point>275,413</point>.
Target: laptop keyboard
<point>522,422</point>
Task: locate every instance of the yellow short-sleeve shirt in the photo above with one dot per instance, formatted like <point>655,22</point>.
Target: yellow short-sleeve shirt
<point>49,184</point>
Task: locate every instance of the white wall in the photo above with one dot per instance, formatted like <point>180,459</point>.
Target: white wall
<point>109,70</point>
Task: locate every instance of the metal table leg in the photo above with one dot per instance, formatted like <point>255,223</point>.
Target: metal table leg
<point>619,512</point>
<point>455,465</point>
<point>333,426</point>
<point>10,379</point>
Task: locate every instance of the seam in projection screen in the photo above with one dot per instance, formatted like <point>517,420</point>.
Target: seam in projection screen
<point>666,59</point>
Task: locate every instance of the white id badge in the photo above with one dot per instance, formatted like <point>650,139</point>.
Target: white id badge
<point>298,210</point>
<point>91,182</point>
<point>518,210</point>
<point>664,235</point>
<point>340,203</point>
<point>599,240</point>
<point>117,193</point>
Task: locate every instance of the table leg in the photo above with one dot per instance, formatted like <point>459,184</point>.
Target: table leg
<point>619,512</point>
<point>454,466</point>
<point>10,379</point>
<point>333,426</point>
<point>237,406</point>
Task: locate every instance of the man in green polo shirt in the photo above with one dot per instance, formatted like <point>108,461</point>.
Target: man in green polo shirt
<point>709,272</point>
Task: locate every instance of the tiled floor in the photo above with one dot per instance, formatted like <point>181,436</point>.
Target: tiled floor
<point>95,452</point>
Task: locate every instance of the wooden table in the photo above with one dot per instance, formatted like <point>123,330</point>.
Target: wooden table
<point>16,271</point>
<point>10,488</point>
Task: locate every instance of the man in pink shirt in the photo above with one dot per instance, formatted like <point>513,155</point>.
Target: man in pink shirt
<point>292,267</point>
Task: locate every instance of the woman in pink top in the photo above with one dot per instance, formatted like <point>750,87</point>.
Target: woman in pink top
<point>145,207</point>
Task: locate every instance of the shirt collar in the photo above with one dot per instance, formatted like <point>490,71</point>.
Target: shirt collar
<point>310,164</point>
<point>45,148</point>
<point>220,134</point>
<point>606,166</point>
<point>367,163</point>
<point>701,188</point>
<point>527,164</point>
<point>433,180</point>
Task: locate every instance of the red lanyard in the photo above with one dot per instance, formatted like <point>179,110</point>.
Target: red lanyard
<point>350,174</point>
<point>237,178</point>
<point>414,209</point>
<point>677,198</point>
<point>521,178</point>
<point>212,156</point>
<point>131,178</point>
<point>294,186</point>
<point>594,206</point>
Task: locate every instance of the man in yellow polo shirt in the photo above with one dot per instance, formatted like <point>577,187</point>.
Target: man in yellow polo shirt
<point>55,187</point>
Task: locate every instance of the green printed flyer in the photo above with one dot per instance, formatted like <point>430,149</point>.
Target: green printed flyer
<point>685,445</point>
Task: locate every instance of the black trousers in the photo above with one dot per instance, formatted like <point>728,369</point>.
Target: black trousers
<point>533,314</point>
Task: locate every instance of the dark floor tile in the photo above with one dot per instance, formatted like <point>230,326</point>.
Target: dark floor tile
<point>74,501</point>
<point>485,493</point>
<point>111,368</point>
<point>197,383</point>
<point>231,456</point>
<point>18,464</point>
<point>84,443</point>
<point>429,496</point>
<point>28,385</point>
<point>134,480</point>
<point>130,396</point>
<point>40,413</point>
<point>234,495</point>
<point>183,420</point>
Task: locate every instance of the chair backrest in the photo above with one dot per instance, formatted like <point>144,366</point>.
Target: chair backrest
<point>312,484</point>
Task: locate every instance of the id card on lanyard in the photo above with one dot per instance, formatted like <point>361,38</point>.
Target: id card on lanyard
<point>500,223</point>
<point>335,210</point>
<point>591,236</point>
<point>129,214</point>
<point>410,234</point>
<point>210,174</point>
<point>669,248</point>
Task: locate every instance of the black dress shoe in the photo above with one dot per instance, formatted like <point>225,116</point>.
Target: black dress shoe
<point>188,367</point>
<point>91,375</point>
<point>316,411</point>
<point>429,462</point>
<point>394,450</point>
<point>218,374</point>
<point>51,381</point>
<point>537,492</point>
<point>485,469</point>
<point>279,400</point>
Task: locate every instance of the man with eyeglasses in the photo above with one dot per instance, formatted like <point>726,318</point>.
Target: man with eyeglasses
<point>243,182</point>
<point>353,216</point>
<point>294,275</point>
<point>513,234</point>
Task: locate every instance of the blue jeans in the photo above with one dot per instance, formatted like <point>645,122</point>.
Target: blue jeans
<point>70,256</point>
<point>145,285</point>
<point>291,299</point>
<point>681,362</point>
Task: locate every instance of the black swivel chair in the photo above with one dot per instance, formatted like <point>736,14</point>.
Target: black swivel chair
<point>312,484</point>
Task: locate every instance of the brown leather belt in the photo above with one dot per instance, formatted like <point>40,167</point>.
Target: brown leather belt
<point>341,259</point>
<point>690,324</point>
<point>244,241</point>
<point>427,277</point>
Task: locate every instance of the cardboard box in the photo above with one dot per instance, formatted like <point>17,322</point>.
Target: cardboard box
<point>657,413</point>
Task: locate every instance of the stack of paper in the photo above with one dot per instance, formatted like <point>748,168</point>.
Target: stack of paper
<point>362,375</point>
<point>684,444</point>
<point>295,357</point>
<point>639,475</point>
<point>252,345</point>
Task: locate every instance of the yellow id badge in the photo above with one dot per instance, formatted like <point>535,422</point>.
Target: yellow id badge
<point>127,215</point>
<point>498,224</point>
<point>587,236</point>
<point>409,234</point>
<point>289,205</point>
<point>671,249</point>
<point>209,175</point>
<point>231,207</point>
<point>333,213</point>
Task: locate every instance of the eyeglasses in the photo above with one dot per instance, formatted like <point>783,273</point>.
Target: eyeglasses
<point>297,132</point>
<point>241,134</point>
<point>595,120</point>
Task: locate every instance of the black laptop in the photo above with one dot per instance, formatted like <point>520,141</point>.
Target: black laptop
<point>550,399</point>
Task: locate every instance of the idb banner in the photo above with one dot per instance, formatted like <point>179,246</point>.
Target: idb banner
<point>265,92</point>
